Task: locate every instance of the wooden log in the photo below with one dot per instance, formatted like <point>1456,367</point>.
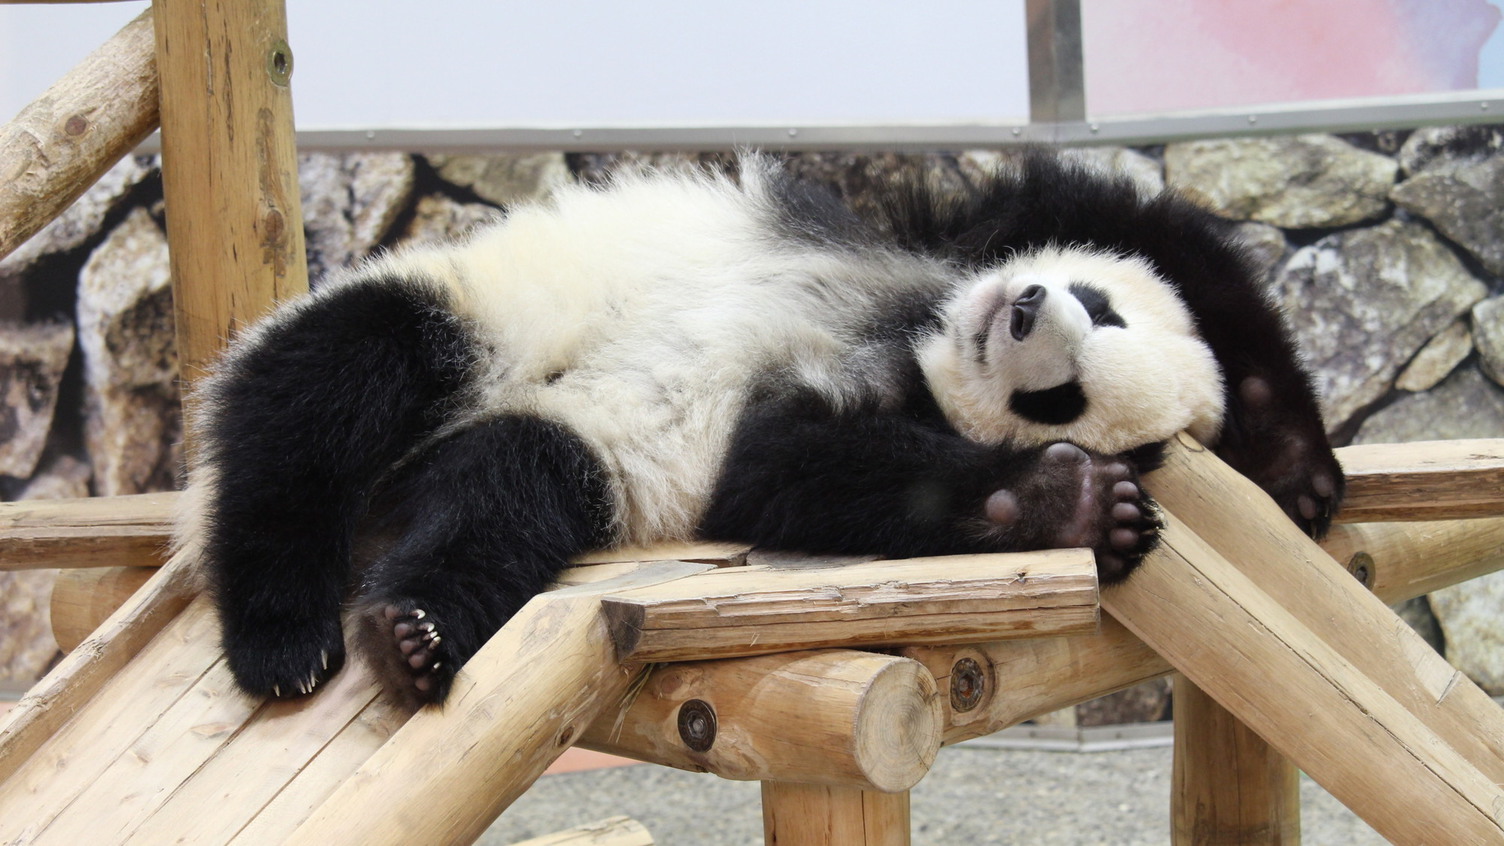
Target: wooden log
<point>229,169</point>
<point>1200,489</point>
<point>821,815</point>
<point>82,599</point>
<point>1022,679</point>
<point>93,532</point>
<point>842,718</point>
<point>1230,787</point>
<point>612,831</point>
<point>758,610</point>
<point>1291,686</point>
<point>519,703</point>
<point>79,128</point>
<point>85,670</point>
<point>1436,480</point>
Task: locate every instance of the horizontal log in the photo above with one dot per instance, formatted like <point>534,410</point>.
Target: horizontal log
<point>93,532</point>
<point>82,599</point>
<point>837,717</point>
<point>57,146</point>
<point>1291,685</point>
<point>1023,679</point>
<point>1434,480</point>
<point>612,831</point>
<point>757,610</point>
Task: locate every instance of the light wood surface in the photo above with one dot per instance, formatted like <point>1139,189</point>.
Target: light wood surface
<point>229,169</point>
<point>1432,480</point>
<point>82,599</point>
<point>613,831</point>
<point>955,599</point>
<point>835,717</point>
<point>60,144</point>
<point>820,815</point>
<point>94,532</point>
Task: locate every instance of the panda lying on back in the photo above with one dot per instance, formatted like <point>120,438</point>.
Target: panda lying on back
<point>686,355</point>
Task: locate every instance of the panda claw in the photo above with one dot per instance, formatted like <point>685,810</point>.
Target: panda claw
<point>277,690</point>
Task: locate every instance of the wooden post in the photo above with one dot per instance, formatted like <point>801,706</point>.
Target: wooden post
<point>1230,787</point>
<point>820,815</point>
<point>229,168</point>
<point>1292,687</point>
<point>57,146</point>
<point>838,717</point>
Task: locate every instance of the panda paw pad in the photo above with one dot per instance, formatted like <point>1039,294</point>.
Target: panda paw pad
<point>417,637</point>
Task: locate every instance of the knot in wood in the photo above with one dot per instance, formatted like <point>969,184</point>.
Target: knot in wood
<point>76,125</point>
<point>967,684</point>
<point>697,725</point>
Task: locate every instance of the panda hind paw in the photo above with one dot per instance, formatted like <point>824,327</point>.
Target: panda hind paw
<point>419,642</point>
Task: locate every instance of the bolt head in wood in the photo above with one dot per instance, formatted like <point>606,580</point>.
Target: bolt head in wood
<point>697,725</point>
<point>1362,567</point>
<point>967,685</point>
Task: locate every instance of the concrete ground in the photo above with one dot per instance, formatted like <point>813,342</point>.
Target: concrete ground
<point>974,795</point>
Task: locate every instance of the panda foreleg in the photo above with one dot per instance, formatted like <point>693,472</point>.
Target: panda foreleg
<point>296,428</point>
<point>487,517</point>
<point>803,477</point>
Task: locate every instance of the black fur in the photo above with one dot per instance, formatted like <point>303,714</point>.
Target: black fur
<point>1279,442</point>
<point>1058,405</point>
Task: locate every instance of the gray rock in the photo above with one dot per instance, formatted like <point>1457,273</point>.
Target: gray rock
<point>504,180</point>
<point>1439,357</point>
<point>1145,703</point>
<point>80,221</point>
<point>1431,144</point>
<point>1466,405</point>
<point>26,643</point>
<point>349,203</point>
<point>1146,173</point>
<point>437,217</point>
<point>1295,182</point>
<point>32,361</point>
<point>1488,337</point>
<point>1464,198</point>
<point>1363,302</point>
<point>1474,628</point>
<point>125,324</point>
<point>64,477</point>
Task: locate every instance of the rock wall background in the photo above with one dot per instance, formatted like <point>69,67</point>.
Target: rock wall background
<point>1387,250</point>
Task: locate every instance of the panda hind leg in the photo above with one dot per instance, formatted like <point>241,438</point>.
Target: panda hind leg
<point>488,516</point>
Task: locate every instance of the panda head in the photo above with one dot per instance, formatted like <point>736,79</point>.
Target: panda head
<point>1071,344</point>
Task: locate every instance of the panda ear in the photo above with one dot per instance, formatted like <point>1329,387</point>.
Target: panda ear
<point>1052,406</point>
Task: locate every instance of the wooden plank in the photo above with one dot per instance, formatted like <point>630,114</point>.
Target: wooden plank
<point>1296,573</point>
<point>1230,786</point>
<point>43,781</point>
<point>229,169</point>
<point>838,717</point>
<point>80,676</point>
<point>759,610</point>
<point>104,531</point>
<point>612,831</point>
<point>1434,480</point>
<point>57,146</point>
<point>1296,691</point>
<point>520,702</point>
<point>821,815</point>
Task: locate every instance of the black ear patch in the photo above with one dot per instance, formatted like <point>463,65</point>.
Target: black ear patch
<point>1097,306</point>
<point>1053,406</point>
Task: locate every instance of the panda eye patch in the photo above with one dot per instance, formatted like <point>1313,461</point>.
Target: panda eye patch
<point>1097,306</point>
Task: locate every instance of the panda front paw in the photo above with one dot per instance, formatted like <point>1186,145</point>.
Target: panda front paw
<point>1073,498</point>
<point>1285,453</point>
<point>285,659</point>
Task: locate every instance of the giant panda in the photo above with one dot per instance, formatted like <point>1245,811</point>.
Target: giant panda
<point>683,354</point>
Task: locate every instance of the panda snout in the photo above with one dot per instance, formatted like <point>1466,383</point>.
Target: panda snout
<point>1026,311</point>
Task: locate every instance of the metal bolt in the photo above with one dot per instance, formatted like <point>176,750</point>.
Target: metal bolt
<point>967,684</point>
<point>1362,568</point>
<point>793,132</point>
<point>279,62</point>
<point>697,725</point>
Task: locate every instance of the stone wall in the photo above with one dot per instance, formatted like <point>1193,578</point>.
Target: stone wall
<point>1387,249</point>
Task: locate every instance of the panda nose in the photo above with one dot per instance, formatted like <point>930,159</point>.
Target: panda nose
<point>1025,311</point>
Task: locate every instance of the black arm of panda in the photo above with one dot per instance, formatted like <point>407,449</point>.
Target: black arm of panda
<point>802,476</point>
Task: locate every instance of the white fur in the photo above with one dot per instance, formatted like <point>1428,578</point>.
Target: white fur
<point>1143,382</point>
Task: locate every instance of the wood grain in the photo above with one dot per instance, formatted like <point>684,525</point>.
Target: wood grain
<point>1433,480</point>
<point>820,815</point>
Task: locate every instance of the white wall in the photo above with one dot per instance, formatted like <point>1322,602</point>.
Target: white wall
<point>568,63</point>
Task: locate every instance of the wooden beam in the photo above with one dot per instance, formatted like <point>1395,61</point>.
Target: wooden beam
<point>519,703</point>
<point>79,128</point>
<point>955,599</point>
<point>612,831</point>
<point>820,815</point>
<point>1399,561</point>
<point>1229,785</point>
<point>1292,687</point>
<point>94,532</point>
<point>838,717</point>
<point>229,169</point>
<point>1436,480</point>
<point>82,599</point>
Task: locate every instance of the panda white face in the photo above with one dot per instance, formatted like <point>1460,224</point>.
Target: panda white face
<point>1071,344</point>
